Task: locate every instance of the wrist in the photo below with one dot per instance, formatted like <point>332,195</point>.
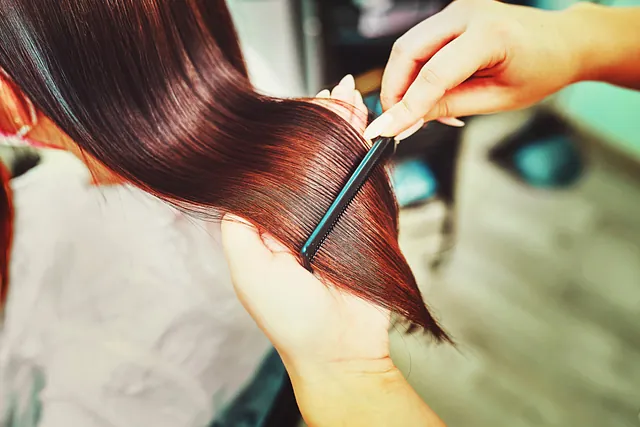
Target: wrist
<point>311,372</point>
<point>579,43</point>
<point>359,392</point>
<point>330,393</point>
<point>599,39</point>
<point>336,378</point>
<point>366,352</point>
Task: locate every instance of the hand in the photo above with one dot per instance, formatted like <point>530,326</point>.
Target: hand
<point>475,57</point>
<point>335,346</point>
<point>345,101</point>
<point>311,324</point>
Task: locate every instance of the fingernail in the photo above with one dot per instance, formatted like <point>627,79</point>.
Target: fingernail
<point>359,97</point>
<point>348,82</point>
<point>377,126</point>
<point>451,121</point>
<point>325,93</point>
<point>413,129</point>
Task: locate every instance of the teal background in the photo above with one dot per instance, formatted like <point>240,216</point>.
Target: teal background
<point>611,112</point>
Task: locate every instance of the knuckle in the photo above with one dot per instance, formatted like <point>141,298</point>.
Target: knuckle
<point>405,108</point>
<point>386,101</point>
<point>500,30</point>
<point>433,80</point>
<point>444,109</point>
<point>399,47</point>
<point>503,37</point>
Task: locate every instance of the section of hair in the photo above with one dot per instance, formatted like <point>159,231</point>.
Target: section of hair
<point>6,231</point>
<point>158,92</point>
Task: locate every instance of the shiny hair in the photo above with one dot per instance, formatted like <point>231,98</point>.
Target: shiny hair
<point>158,92</point>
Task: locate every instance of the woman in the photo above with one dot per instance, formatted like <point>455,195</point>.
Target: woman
<point>108,279</point>
<point>120,308</point>
<point>109,290</point>
<point>157,94</point>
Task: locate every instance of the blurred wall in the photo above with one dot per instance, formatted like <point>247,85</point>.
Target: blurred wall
<point>609,111</point>
<point>269,28</point>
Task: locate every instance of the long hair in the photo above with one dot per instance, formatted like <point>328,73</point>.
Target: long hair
<point>157,90</point>
<point>6,232</point>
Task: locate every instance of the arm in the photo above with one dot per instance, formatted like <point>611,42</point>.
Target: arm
<point>335,346</point>
<point>481,57</point>
<point>610,50</point>
<point>366,394</point>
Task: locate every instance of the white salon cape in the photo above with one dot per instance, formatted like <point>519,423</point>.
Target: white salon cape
<point>121,312</point>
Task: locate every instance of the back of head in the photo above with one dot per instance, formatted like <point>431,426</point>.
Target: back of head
<point>158,92</point>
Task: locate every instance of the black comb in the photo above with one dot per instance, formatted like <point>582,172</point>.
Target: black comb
<point>380,151</point>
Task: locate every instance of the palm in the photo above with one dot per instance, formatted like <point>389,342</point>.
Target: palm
<point>303,317</point>
<point>311,319</point>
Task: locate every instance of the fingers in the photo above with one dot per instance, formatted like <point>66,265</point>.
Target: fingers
<point>273,244</point>
<point>451,66</point>
<point>360,114</point>
<point>324,94</point>
<point>360,105</point>
<point>476,96</point>
<point>350,107</point>
<point>412,50</point>
<point>344,90</point>
<point>413,129</point>
<point>451,121</point>
<point>243,246</point>
<point>345,93</point>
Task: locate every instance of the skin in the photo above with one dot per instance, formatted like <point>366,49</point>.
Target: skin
<point>14,114</point>
<point>483,56</point>
<point>352,366</point>
<point>476,57</point>
<point>335,346</point>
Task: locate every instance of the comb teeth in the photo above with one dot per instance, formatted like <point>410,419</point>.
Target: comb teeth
<point>376,155</point>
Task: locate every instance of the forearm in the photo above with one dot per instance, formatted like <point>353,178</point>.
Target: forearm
<point>354,395</point>
<point>607,40</point>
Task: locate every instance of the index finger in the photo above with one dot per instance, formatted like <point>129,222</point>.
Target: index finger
<point>448,68</point>
<point>411,51</point>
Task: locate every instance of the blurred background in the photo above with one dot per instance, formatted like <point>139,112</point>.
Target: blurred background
<point>523,228</point>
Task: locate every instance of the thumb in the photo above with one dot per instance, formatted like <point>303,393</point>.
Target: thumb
<point>448,68</point>
<point>243,247</point>
<point>470,98</point>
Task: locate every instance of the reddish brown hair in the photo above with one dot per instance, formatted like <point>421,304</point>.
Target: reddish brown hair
<point>158,92</point>
<point>6,231</point>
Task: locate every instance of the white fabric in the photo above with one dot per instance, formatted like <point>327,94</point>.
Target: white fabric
<point>121,303</point>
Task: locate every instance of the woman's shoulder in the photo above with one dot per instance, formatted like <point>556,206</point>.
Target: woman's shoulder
<point>93,266</point>
<point>105,255</point>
